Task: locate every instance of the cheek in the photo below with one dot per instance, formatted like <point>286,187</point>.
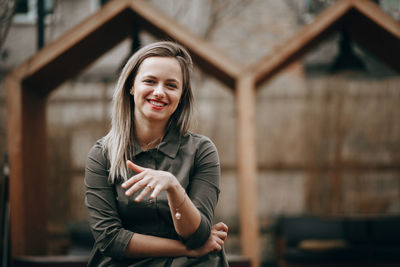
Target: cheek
<point>179,97</point>
<point>138,100</point>
<point>140,93</point>
<point>177,100</point>
<point>135,98</point>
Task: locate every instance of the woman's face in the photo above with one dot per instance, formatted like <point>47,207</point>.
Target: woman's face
<point>157,89</point>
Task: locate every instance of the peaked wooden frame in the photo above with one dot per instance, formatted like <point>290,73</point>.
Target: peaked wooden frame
<point>28,86</point>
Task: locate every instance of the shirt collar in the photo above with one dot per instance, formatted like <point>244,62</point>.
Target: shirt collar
<point>171,143</point>
<point>169,146</point>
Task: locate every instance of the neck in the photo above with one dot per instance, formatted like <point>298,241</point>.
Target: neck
<point>149,135</point>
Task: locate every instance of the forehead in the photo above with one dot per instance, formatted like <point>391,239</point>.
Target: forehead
<point>163,67</point>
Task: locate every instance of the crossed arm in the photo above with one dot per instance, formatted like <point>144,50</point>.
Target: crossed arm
<point>153,182</point>
<point>151,246</point>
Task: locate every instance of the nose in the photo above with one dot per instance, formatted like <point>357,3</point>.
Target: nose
<point>159,91</point>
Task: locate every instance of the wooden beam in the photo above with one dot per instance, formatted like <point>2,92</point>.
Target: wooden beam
<point>26,134</point>
<point>247,168</point>
<point>78,48</point>
<point>209,58</point>
<point>291,50</point>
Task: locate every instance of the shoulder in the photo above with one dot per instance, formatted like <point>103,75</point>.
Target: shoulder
<point>97,165</point>
<point>202,146</point>
<point>98,147</point>
<point>98,151</point>
<point>198,141</point>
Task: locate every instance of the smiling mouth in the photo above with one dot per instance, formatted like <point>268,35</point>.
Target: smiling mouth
<point>156,103</point>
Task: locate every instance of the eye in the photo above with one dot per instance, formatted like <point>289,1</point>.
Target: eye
<point>172,85</point>
<point>148,81</point>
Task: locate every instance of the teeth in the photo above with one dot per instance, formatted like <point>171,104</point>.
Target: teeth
<point>156,103</point>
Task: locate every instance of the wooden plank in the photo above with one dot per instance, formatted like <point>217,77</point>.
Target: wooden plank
<point>247,168</point>
<point>209,58</point>
<point>79,47</point>
<point>297,46</point>
<point>14,142</point>
<point>26,131</point>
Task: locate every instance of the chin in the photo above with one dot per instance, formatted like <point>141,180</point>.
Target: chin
<point>157,118</point>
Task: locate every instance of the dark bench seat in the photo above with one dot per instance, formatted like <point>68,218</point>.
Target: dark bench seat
<point>314,241</point>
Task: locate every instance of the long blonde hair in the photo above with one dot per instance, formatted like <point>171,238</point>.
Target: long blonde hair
<point>119,141</point>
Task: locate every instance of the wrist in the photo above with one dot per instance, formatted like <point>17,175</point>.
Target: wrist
<point>174,186</point>
<point>191,253</point>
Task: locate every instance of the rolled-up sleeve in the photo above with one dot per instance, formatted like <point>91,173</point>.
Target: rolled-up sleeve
<point>204,190</point>
<point>111,238</point>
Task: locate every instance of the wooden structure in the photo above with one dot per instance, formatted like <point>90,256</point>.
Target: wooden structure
<point>29,84</point>
<point>368,26</point>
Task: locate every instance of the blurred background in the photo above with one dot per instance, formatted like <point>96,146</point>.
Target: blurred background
<point>328,132</point>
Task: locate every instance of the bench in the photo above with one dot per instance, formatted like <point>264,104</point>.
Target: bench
<point>317,241</point>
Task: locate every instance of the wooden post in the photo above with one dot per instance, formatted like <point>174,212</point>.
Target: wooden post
<point>247,167</point>
<point>27,154</point>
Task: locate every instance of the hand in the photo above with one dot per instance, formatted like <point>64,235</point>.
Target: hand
<point>218,235</point>
<point>150,180</point>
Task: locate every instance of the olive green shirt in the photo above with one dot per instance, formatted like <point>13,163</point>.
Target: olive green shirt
<point>114,217</point>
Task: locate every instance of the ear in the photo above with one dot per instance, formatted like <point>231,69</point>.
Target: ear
<point>132,91</point>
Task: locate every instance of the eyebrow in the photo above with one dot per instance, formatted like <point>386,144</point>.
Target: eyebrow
<point>154,77</point>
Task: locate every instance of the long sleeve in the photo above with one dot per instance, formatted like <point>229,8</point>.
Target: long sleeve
<point>111,238</point>
<point>204,190</point>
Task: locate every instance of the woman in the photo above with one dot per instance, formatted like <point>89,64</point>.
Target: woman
<point>151,185</point>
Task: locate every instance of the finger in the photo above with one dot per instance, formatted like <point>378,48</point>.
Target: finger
<point>156,191</point>
<point>223,227</point>
<point>146,190</point>
<point>222,235</point>
<point>219,241</point>
<point>134,167</point>
<point>217,247</point>
<point>133,180</point>
<point>140,184</point>
<point>220,227</point>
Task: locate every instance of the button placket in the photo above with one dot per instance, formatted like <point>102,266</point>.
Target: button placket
<point>152,164</point>
<point>154,155</point>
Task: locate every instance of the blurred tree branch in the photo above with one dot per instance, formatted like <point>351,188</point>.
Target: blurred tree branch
<point>7,9</point>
